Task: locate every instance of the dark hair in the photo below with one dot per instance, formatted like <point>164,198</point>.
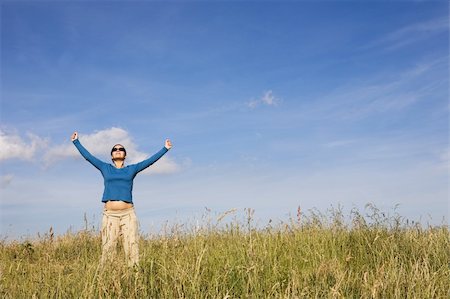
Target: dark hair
<point>125,151</point>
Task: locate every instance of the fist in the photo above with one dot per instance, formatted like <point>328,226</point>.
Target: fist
<point>168,144</point>
<point>74,136</point>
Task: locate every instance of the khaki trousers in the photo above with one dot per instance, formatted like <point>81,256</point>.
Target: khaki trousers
<point>124,224</point>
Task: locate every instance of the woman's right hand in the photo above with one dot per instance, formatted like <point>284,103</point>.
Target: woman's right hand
<point>74,136</point>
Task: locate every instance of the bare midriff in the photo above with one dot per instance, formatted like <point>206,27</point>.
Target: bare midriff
<point>117,205</point>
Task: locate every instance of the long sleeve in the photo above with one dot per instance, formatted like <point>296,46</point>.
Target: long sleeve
<point>146,163</point>
<point>88,156</point>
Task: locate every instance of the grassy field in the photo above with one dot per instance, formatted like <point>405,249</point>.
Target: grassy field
<point>311,256</point>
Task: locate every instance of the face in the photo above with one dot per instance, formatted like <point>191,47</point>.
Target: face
<point>118,152</point>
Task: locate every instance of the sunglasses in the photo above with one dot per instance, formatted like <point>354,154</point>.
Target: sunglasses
<point>118,149</point>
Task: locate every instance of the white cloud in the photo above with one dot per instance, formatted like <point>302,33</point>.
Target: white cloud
<point>267,99</point>
<point>5,180</point>
<point>163,166</point>
<point>14,147</point>
<point>100,143</point>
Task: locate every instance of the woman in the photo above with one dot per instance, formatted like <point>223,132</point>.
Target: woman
<point>119,217</point>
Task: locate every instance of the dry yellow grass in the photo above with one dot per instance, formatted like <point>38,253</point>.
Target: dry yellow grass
<point>313,256</point>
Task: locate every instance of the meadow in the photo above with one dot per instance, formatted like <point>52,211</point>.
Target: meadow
<point>313,255</point>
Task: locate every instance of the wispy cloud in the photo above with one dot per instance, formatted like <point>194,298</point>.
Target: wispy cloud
<point>268,99</point>
<point>340,143</point>
<point>15,147</point>
<point>388,93</point>
<point>6,180</point>
<point>410,34</point>
<point>444,158</point>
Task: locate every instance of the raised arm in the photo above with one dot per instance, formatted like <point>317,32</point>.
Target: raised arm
<point>146,163</point>
<point>84,152</point>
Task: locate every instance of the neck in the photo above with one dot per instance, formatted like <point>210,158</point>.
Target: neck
<point>118,163</point>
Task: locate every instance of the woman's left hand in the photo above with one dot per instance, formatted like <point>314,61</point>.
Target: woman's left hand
<point>168,144</point>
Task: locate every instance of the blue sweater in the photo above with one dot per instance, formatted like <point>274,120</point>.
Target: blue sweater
<point>118,181</point>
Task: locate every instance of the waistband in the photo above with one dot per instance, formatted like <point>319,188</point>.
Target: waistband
<point>118,213</point>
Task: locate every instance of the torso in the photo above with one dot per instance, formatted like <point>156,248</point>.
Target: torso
<point>116,205</point>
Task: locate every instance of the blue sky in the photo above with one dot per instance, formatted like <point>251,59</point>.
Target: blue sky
<point>270,106</point>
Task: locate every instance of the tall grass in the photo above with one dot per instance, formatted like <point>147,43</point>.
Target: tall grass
<point>311,256</point>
